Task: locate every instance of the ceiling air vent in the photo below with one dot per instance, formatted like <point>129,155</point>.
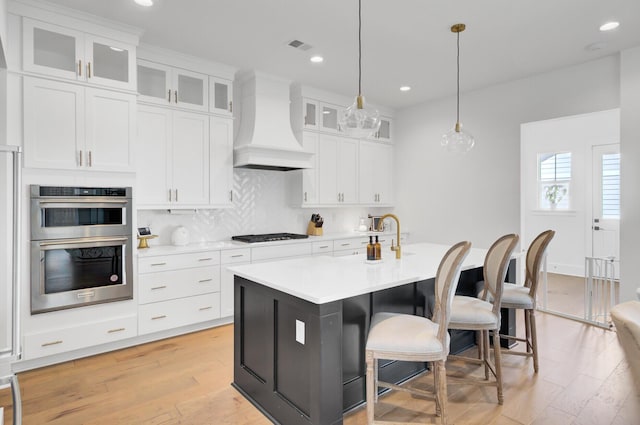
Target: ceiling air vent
<point>300,45</point>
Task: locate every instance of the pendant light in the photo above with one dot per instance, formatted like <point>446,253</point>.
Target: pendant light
<point>357,120</point>
<point>458,140</point>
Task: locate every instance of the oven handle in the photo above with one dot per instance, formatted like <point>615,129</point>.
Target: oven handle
<point>76,241</point>
<point>74,203</point>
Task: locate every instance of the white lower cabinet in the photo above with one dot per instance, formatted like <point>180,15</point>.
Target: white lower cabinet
<point>351,246</point>
<point>178,290</point>
<point>235,257</point>
<point>77,337</point>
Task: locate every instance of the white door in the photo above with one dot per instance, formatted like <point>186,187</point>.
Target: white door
<point>606,201</point>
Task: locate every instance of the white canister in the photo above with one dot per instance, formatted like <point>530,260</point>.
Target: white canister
<point>180,236</point>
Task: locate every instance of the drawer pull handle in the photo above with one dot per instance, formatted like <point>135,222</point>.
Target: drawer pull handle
<point>47,344</point>
<point>345,244</point>
<point>237,256</point>
<point>205,308</point>
<point>205,259</point>
<point>324,247</point>
<point>158,264</point>
<point>112,331</point>
<point>158,287</point>
<point>205,280</point>
<point>364,242</point>
<point>159,317</point>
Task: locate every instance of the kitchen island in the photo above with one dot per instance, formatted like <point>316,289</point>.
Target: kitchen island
<point>301,327</point>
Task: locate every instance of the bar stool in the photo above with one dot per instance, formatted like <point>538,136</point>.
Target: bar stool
<point>406,337</point>
<point>483,314</point>
<point>524,297</point>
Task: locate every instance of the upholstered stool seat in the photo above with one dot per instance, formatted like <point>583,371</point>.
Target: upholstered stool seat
<point>514,296</point>
<point>393,333</point>
<point>473,310</point>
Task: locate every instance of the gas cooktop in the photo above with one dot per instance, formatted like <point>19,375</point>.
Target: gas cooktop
<point>268,237</point>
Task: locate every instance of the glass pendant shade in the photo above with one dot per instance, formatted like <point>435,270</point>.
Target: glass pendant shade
<point>358,121</point>
<point>457,140</point>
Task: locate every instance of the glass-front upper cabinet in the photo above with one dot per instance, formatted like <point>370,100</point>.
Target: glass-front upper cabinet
<point>329,117</point>
<point>169,86</point>
<point>66,53</point>
<point>220,96</point>
<point>384,132</point>
<point>310,114</point>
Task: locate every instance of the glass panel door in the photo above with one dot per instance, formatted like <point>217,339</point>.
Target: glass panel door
<point>154,83</point>
<point>329,118</point>
<point>220,91</point>
<point>52,50</point>
<point>192,90</point>
<point>110,63</point>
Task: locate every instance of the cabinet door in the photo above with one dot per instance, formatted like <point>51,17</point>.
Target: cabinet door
<point>221,95</point>
<point>154,83</point>
<point>369,163</point>
<point>384,133</point>
<point>221,160</point>
<point>329,117</point>
<point>152,171</point>
<point>347,170</point>
<point>327,169</point>
<point>110,63</point>
<point>191,90</point>
<point>310,110</point>
<point>190,158</point>
<point>52,50</point>
<point>110,130</point>
<point>53,124</point>
<point>310,193</point>
<point>384,178</point>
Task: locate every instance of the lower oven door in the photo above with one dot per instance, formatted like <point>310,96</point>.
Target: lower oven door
<point>67,273</point>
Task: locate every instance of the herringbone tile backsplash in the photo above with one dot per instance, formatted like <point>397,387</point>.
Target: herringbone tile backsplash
<point>260,205</point>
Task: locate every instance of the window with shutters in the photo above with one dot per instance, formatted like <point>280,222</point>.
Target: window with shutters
<point>610,186</point>
<point>554,180</point>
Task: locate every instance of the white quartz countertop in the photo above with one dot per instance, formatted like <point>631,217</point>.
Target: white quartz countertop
<point>324,279</point>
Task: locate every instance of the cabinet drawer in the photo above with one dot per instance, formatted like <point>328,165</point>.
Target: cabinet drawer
<point>175,313</point>
<point>354,251</point>
<point>76,337</point>
<point>178,261</point>
<point>322,247</point>
<point>162,286</point>
<point>350,244</point>
<point>280,251</point>
<point>232,256</point>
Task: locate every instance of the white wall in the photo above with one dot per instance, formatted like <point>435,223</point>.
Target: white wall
<point>3,33</point>
<point>576,134</point>
<point>629,172</point>
<point>445,198</point>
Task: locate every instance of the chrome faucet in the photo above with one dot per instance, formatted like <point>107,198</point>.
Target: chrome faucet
<point>380,226</point>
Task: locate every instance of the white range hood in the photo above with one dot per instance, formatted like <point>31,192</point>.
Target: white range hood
<point>265,140</point>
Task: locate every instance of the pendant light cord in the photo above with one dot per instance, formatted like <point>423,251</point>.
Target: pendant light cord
<point>359,47</point>
<point>458,83</point>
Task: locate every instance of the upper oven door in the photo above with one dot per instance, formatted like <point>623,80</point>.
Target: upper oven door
<point>55,218</point>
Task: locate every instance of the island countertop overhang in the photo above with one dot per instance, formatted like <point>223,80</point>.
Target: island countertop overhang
<point>324,279</point>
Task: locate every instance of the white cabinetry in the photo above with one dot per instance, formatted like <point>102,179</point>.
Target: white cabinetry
<point>167,85</point>
<point>173,147</point>
<point>221,162</point>
<point>220,96</point>
<point>69,126</point>
<point>231,257</point>
<point>67,53</point>
<point>351,246</point>
<point>376,173</point>
<point>178,290</point>
<point>337,170</point>
<point>75,337</point>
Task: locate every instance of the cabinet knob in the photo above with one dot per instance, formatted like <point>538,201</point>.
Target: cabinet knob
<point>175,96</point>
<point>81,158</point>
<point>79,68</point>
<point>231,106</point>
<point>169,98</point>
<point>88,69</point>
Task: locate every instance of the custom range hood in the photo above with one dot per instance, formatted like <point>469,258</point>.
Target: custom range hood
<point>265,140</point>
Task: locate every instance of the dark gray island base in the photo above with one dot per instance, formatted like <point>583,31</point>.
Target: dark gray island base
<point>304,363</point>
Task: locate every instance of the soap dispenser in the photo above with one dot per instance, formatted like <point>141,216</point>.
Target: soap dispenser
<point>371,253</point>
<point>377,249</point>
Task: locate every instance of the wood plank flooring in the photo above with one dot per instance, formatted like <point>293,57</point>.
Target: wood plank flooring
<point>583,380</point>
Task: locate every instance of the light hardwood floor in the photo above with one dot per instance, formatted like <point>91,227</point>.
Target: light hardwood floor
<point>583,380</point>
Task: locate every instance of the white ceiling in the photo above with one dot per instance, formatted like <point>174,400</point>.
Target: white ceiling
<point>405,42</point>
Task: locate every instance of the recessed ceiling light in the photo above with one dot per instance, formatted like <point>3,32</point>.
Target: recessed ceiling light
<point>405,88</point>
<point>145,3</point>
<point>316,59</point>
<point>609,26</point>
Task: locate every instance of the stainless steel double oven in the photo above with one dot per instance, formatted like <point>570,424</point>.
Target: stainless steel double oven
<point>81,248</point>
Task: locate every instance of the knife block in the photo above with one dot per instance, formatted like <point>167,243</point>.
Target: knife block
<point>312,230</point>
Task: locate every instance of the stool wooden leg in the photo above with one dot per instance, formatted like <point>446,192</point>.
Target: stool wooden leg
<point>371,387</point>
<point>487,353</point>
<point>534,339</point>
<point>527,329</point>
<point>442,390</point>
<point>498,363</point>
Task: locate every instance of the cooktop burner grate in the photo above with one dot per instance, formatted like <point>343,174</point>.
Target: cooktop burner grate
<point>268,237</point>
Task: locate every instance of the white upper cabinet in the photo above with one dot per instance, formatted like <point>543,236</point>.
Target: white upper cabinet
<point>221,160</point>
<point>310,114</point>
<point>220,96</point>
<point>329,117</point>
<point>376,173</point>
<point>384,133</point>
<point>337,170</point>
<point>66,53</point>
<point>166,85</point>
<point>68,126</point>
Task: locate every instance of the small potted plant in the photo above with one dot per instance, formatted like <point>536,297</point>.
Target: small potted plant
<point>554,194</point>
